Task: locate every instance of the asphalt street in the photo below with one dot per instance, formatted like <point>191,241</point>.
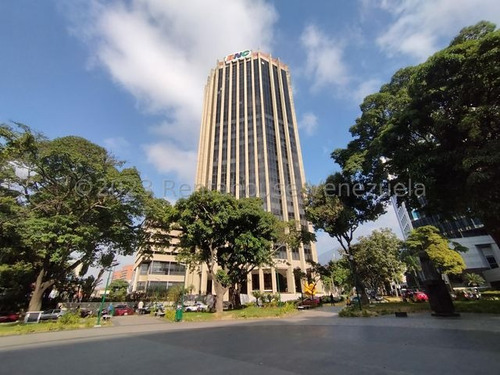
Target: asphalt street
<point>312,342</point>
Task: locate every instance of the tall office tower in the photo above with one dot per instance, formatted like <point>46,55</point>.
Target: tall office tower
<point>249,147</point>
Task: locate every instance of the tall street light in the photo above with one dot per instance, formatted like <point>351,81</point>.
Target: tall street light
<point>98,324</point>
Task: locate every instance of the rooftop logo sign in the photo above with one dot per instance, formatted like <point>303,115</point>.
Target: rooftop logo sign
<point>238,55</point>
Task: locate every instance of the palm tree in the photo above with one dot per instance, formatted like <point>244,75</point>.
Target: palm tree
<point>473,279</point>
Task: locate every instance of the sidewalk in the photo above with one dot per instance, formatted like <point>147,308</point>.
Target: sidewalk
<point>126,326</point>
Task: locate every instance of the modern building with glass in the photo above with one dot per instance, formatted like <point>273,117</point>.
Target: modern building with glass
<point>483,254</point>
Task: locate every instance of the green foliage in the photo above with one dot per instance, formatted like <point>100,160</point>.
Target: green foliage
<point>491,294</point>
<point>170,315</point>
<point>355,312</point>
<point>473,279</point>
<point>118,290</point>
<point>175,293</point>
<point>377,258</point>
<point>64,203</point>
<point>481,306</point>
<point>436,127</point>
<point>339,206</point>
<point>338,272</point>
<point>230,236</point>
<point>69,318</point>
<point>428,239</point>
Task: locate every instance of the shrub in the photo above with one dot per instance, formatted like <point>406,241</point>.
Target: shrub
<point>351,312</point>
<point>69,318</point>
<point>170,315</point>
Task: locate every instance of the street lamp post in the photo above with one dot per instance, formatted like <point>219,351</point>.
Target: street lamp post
<point>98,324</point>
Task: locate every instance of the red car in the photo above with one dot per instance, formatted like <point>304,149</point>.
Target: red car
<point>8,317</point>
<point>123,310</point>
<point>311,302</point>
<point>419,297</point>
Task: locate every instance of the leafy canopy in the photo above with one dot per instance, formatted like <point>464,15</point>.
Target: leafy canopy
<point>428,239</point>
<point>65,203</point>
<point>230,236</point>
<point>377,258</point>
<point>437,124</point>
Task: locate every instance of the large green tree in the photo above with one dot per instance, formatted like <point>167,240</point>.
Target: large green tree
<point>338,207</point>
<point>231,237</point>
<point>65,203</point>
<point>433,132</point>
<point>377,258</point>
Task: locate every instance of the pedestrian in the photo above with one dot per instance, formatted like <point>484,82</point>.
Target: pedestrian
<point>141,307</point>
<point>111,309</point>
<point>331,299</point>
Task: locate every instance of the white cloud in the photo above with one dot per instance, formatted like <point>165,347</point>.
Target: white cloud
<point>324,64</point>
<point>308,123</point>
<point>420,27</point>
<point>169,158</point>
<point>116,144</point>
<point>162,52</point>
<point>366,88</point>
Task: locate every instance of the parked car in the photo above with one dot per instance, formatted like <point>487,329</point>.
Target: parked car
<point>419,296</point>
<point>123,310</point>
<point>152,307</point>
<point>198,306</point>
<point>52,314</point>
<point>8,317</point>
<point>311,301</point>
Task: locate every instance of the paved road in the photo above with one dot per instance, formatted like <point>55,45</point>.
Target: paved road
<point>313,342</point>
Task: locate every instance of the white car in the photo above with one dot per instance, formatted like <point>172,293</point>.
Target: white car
<point>198,306</point>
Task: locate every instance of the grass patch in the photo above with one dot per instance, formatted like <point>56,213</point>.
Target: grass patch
<point>20,328</point>
<point>481,306</point>
<point>491,294</point>
<point>197,317</point>
<point>407,307</point>
<point>377,309</point>
<point>355,312</point>
<point>249,312</point>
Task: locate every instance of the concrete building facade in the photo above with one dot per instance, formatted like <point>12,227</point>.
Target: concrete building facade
<point>249,147</point>
<point>125,273</point>
<point>159,270</point>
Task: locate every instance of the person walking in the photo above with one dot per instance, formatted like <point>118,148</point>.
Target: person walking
<point>111,309</point>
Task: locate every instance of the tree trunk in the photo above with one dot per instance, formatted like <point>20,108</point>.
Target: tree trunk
<point>37,295</point>
<point>220,290</point>
<point>234,296</point>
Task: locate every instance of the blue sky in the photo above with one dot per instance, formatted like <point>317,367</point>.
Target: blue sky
<point>129,75</point>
